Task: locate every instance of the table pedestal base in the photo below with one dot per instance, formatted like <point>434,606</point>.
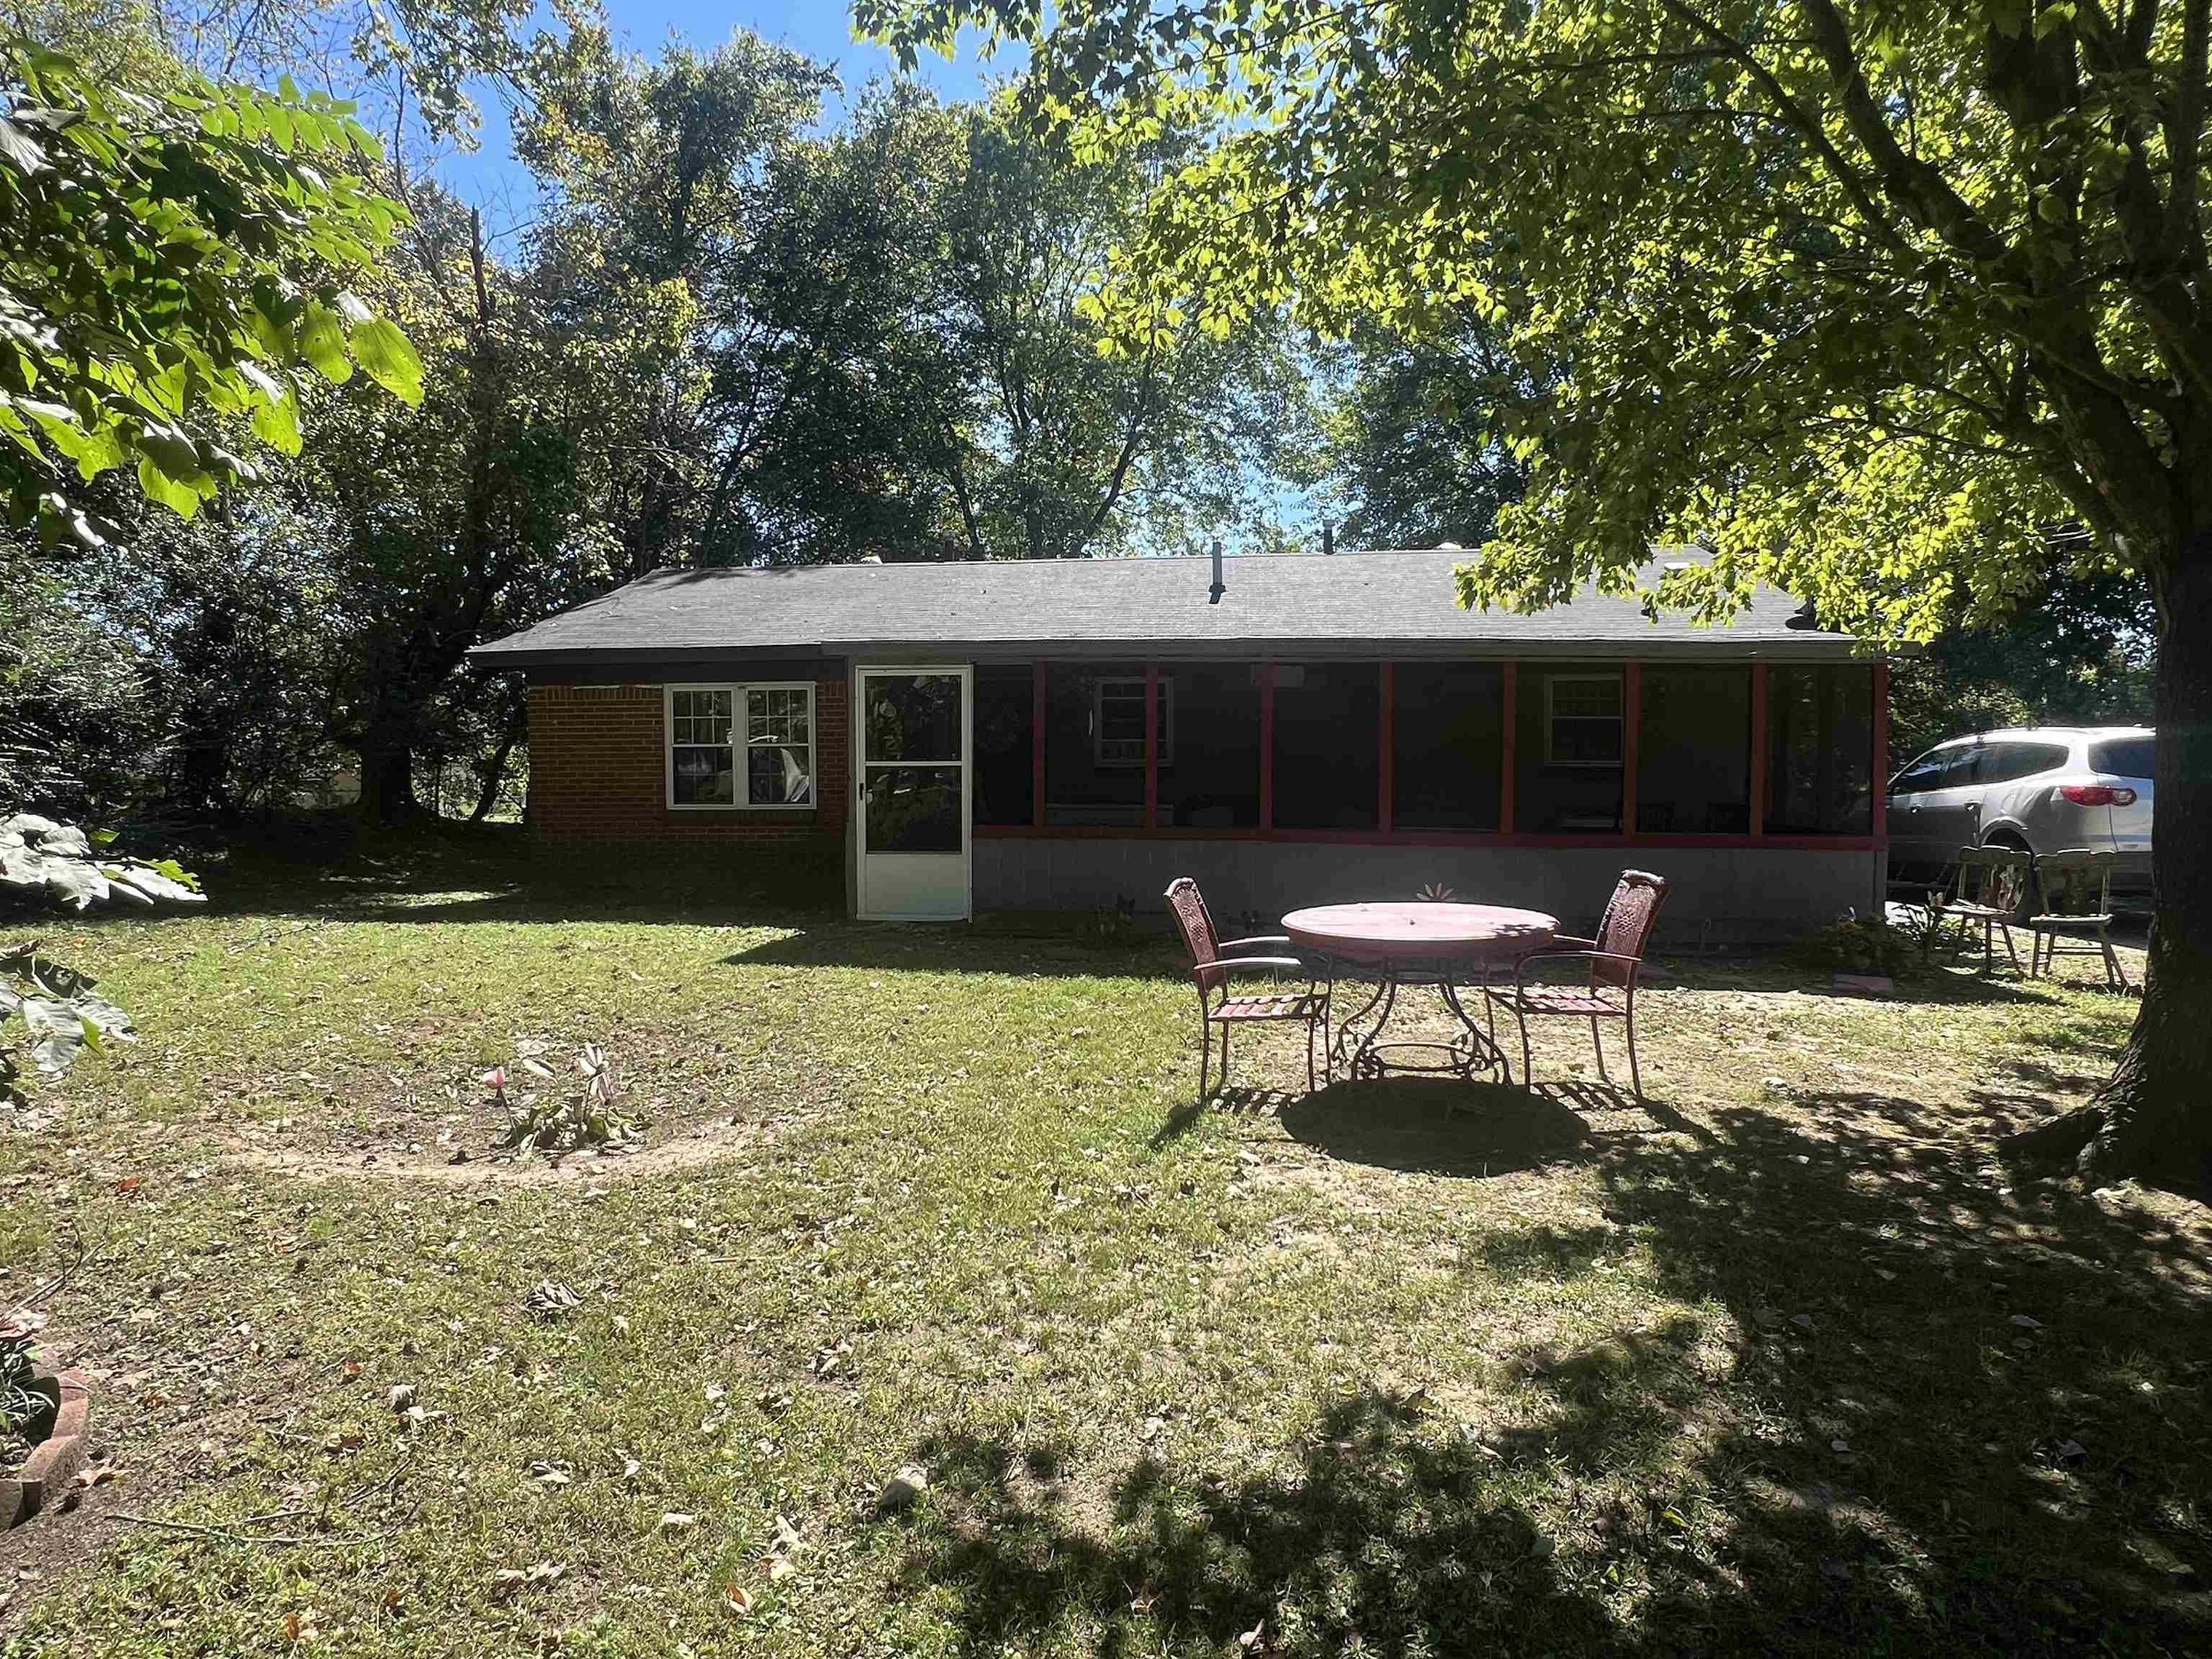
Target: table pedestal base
<point>1356,1048</point>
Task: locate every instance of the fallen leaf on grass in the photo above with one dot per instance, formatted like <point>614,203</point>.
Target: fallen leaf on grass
<point>740,1599</point>
<point>676,1521</point>
<point>548,1473</point>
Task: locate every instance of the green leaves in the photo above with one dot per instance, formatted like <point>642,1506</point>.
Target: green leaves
<point>323,343</point>
<point>154,243</point>
<point>389,359</point>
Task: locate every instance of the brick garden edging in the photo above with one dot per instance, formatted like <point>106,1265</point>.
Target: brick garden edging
<point>55,1461</point>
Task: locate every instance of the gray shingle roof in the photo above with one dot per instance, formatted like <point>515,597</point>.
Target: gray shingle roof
<point>1398,604</point>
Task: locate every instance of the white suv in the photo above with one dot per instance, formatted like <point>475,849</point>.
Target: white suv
<point>2042,789</point>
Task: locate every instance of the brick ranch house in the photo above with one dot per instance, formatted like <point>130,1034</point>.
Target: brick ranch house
<point>1062,736</point>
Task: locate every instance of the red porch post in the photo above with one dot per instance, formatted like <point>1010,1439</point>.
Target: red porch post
<point>1151,746</point>
<point>1879,825</point>
<point>1387,713</point>
<point>1036,742</point>
<point>1268,746</point>
<point>1757,826</point>
<point>1632,728</point>
<point>1506,712</point>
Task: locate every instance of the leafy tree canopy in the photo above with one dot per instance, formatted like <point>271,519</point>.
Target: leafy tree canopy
<point>1861,300</point>
<point>174,261</point>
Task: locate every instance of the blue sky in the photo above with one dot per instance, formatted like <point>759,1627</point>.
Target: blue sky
<point>491,179</point>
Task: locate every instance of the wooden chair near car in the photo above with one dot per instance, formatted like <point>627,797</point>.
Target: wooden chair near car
<point>1217,1008</point>
<point>1992,890</point>
<point>2075,890</point>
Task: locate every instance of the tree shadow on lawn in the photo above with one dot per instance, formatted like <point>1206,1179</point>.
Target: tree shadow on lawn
<point>1932,1413</point>
<point>1436,1125</point>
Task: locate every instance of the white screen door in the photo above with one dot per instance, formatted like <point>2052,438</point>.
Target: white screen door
<point>914,738</point>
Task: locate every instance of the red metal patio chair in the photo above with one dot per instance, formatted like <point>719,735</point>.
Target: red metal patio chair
<point>1615,956</point>
<point>1212,971</point>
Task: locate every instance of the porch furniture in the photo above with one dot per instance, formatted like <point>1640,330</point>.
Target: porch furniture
<point>2075,888</point>
<point>1991,890</point>
<point>1212,970</point>
<point>1616,957</point>
<point>1417,944</point>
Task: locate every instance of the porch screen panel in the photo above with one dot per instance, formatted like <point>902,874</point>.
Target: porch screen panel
<point>1094,744</point>
<point>1568,742</point>
<point>1447,749</point>
<point>1210,776</point>
<point>1328,763</point>
<point>1005,721</point>
<point>1819,763</point>
<point>1694,752</point>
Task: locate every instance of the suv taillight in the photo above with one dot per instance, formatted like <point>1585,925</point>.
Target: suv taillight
<point>2098,794</point>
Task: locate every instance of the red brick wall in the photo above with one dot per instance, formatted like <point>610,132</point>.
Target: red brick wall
<point>598,779</point>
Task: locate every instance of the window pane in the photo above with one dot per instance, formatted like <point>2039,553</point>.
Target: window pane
<point>703,777</point>
<point>913,717</point>
<point>778,758</point>
<point>1694,752</point>
<point>1117,707</point>
<point>1962,767</point>
<point>1327,762</point>
<point>2122,757</point>
<point>1446,746</point>
<point>1567,770</point>
<point>1077,788</point>
<point>699,717</point>
<point>1210,745</point>
<point>914,809</point>
<point>1819,725</point>
<point>1006,721</point>
<point>1925,774</point>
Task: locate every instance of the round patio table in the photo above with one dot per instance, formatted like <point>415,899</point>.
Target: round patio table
<point>1418,944</point>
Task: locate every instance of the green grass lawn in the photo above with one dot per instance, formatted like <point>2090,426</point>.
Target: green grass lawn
<point>1782,1361</point>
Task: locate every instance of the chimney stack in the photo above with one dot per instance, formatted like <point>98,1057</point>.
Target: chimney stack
<point>1214,593</point>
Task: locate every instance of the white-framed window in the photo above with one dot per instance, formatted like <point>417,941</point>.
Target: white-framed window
<point>1583,724</point>
<point>741,747</point>
<point>1117,721</point>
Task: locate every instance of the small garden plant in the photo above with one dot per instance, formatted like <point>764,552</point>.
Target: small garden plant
<point>543,1119</point>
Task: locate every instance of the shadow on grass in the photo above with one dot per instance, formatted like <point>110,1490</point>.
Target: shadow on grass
<point>961,947</point>
<point>1387,1538</point>
<point>1921,1411</point>
<point>1437,1126</point>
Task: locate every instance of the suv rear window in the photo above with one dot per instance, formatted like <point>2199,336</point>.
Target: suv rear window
<point>2122,757</point>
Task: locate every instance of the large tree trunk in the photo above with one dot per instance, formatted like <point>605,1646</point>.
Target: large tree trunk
<point>387,785</point>
<point>2153,1118</point>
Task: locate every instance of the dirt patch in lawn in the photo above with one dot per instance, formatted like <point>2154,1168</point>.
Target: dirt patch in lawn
<point>677,1149</point>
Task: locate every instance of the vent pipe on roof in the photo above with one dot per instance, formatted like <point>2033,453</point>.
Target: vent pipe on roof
<point>1328,538</point>
<point>1213,594</point>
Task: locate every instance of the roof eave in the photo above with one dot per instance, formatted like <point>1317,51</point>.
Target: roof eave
<point>1719,645</point>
